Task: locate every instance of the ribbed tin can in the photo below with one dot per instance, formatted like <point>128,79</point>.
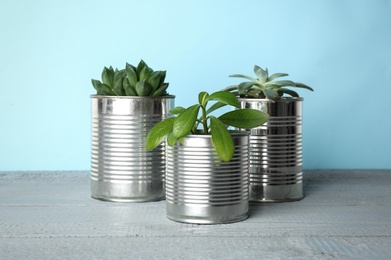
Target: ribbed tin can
<point>121,168</point>
<point>275,167</point>
<point>200,187</point>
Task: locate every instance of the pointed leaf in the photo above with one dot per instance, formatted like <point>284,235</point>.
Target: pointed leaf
<point>129,90</point>
<point>140,67</point>
<point>280,83</point>
<point>225,97</point>
<point>282,91</point>
<point>130,71</point>
<point>158,132</point>
<point>106,90</point>
<point>203,98</point>
<point>161,91</point>
<point>154,80</point>
<point>221,139</point>
<point>277,75</point>
<point>97,85</point>
<point>244,87</point>
<point>271,94</point>
<point>108,76</point>
<point>177,110</point>
<point>185,121</point>
<point>171,139</point>
<point>145,73</point>
<point>261,74</point>
<point>118,82</point>
<point>301,85</point>
<point>143,88</point>
<point>214,107</point>
<point>245,77</point>
<point>244,118</point>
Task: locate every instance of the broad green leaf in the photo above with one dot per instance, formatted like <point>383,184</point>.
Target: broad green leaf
<point>280,83</point>
<point>261,74</point>
<point>245,77</point>
<point>271,94</point>
<point>221,139</point>
<point>118,82</point>
<point>106,90</point>
<point>244,87</point>
<point>171,139</point>
<point>143,88</point>
<point>140,67</point>
<point>162,76</point>
<point>301,85</point>
<point>203,98</point>
<point>244,118</point>
<point>177,110</point>
<point>129,90</point>
<point>225,97</point>
<point>96,84</point>
<point>214,107</point>
<point>130,71</point>
<point>185,121</point>
<point>154,80</point>
<point>161,90</point>
<point>277,75</point>
<point>108,76</point>
<point>158,132</point>
<point>145,73</point>
<point>282,91</point>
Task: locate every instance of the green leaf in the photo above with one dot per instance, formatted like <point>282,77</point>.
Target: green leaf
<point>271,94</point>
<point>244,87</point>
<point>154,80</point>
<point>245,77</point>
<point>225,97</point>
<point>143,88</point>
<point>97,85</point>
<point>171,139</point>
<point>261,74</point>
<point>162,77</point>
<point>280,83</point>
<point>145,73</point>
<point>244,118</point>
<point>221,139</point>
<point>140,67</point>
<point>157,133</point>
<point>282,91</point>
<point>185,121</point>
<point>130,71</point>
<point>277,75</point>
<point>177,110</point>
<point>203,98</point>
<point>161,90</point>
<point>106,90</point>
<point>301,85</point>
<point>129,90</point>
<point>108,76</point>
<point>118,82</point>
<point>214,107</point>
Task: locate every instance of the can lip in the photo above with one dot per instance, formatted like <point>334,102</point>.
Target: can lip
<point>131,97</point>
<point>282,99</point>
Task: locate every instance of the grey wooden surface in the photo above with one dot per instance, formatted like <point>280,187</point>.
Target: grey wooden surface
<point>50,215</point>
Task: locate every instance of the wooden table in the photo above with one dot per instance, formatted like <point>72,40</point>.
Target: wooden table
<point>50,215</point>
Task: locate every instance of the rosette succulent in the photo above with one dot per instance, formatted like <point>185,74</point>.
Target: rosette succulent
<point>131,81</point>
<point>265,86</point>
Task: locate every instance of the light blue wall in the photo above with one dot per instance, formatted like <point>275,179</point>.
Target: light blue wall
<point>50,50</point>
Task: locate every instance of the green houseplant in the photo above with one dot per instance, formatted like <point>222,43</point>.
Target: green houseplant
<point>275,167</point>
<point>207,164</point>
<point>127,104</point>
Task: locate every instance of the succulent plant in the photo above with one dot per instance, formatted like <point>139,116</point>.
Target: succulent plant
<point>131,81</point>
<point>188,120</point>
<point>265,86</point>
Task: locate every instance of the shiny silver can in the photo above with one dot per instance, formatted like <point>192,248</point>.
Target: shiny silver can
<point>200,187</point>
<point>121,168</point>
<point>275,166</point>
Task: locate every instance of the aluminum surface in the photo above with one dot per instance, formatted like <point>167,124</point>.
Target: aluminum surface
<point>275,162</point>
<point>201,188</point>
<point>121,169</point>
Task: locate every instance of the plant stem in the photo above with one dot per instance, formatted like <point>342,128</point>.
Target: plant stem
<point>204,120</point>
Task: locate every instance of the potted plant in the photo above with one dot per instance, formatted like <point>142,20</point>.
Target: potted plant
<point>207,167</point>
<point>127,104</point>
<point>275,168</point>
